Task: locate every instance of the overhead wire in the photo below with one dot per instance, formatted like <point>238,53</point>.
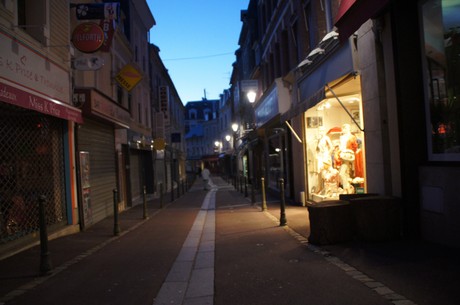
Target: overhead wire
<point>198,57</point>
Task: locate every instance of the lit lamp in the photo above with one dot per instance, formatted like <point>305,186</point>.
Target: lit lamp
<point>251,96</point>
<point>228,138</point>
<point>235,127</point>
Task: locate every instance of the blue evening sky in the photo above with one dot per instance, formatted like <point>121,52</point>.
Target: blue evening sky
<point>197,41</point>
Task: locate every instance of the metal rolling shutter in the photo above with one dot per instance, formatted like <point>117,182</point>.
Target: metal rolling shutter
<point>99,140</point>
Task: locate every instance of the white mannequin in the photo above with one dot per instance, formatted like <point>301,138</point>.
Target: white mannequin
<point>348,146</point>
<point>323,149</point>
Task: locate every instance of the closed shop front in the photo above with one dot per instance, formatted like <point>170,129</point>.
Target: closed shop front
<point>36,138</point>
<point>32,164</point>
<point>135,175</point>
<point>98,140</point>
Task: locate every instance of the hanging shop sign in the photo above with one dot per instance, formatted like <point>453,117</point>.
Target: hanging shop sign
<point>97,104</point>
<point>92,63</point>
<point>89,11</point>
<point>275,102</point>
<point>88,37</point>
<point>128,77</point>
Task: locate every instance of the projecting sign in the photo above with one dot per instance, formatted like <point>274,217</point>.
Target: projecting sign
<point>128,77</point>
<point>88,63</point>
<point>88,37</point>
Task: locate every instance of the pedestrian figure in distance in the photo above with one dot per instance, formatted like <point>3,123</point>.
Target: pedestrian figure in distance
<point>205,173</point>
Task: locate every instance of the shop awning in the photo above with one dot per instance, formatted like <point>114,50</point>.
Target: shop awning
<point>273,103</point>
<point>23,97</point>
<point>336,62</point>
<point>353,13</point>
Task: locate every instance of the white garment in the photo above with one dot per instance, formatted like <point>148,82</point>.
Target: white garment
<point>205,174</point>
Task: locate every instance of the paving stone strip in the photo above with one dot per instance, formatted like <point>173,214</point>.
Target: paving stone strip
<point>191,278</point>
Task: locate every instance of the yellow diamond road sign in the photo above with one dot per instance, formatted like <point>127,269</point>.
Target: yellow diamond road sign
<point>128,77</point>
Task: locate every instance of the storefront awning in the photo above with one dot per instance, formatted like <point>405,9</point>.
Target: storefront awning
<point>101,106</point>
<point>23,97</point>
<point>353,13</point>
<point>336,62</point>
<point>273,103</point>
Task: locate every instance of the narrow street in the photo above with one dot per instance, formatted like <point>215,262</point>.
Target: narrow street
<point>214,247</point>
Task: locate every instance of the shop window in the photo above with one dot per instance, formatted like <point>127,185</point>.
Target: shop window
<point>441,39</point>
<point>335,146</point>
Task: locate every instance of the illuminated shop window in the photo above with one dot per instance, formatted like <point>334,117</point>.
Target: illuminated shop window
<point>335,144</point>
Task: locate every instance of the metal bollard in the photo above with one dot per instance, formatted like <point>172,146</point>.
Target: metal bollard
<point>245,186</point>
<point>45,262</point>
<point>161,195</point>
<point>264,198</point>
<point>116,226</point>
<point>172,191</point>
<point>282,204</point>
<point>178,188</point>
<point>145,216</point>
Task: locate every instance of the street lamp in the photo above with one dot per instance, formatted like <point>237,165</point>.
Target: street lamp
<point>235,127</point>
<point>251,95</point>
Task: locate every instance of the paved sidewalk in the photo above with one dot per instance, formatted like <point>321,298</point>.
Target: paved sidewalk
<point>255,261</point>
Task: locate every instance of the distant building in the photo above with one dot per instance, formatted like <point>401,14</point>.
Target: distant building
<point>201,130</point>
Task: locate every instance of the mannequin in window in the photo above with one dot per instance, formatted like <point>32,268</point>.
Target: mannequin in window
<point>348,146</point>
<point>323,149</point>
<point>329,179</point>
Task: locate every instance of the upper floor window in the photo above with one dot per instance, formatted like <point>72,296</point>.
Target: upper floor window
<point>32,17</point>
<point>206,113</point>
<point>441,53</point>
<point>192,114</point>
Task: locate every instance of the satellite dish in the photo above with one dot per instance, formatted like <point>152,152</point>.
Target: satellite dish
<point>92,63</point>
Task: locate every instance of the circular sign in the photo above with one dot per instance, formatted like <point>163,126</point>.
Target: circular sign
<point>88,37</point>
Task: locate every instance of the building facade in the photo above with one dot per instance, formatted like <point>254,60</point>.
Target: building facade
<point>114,142</point>
<point>348,103</point>
<point>202,134</point>
<point>38,121</point>
<point>78,110</point>
<point>169,126</point>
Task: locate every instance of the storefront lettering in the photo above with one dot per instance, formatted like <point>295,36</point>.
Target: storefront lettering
<point>23,72</point>
<point>44,106</point>
<point>88,37</point>
<point>5,62</point>
<point>4,93</point>
<point>35,104</point>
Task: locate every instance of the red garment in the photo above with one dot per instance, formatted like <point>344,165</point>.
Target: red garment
<point>352,143</point>
<point>359,163</point>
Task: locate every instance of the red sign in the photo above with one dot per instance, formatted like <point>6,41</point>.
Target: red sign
<point>15,96</point>
<point>88,37</point>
